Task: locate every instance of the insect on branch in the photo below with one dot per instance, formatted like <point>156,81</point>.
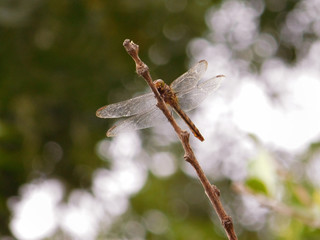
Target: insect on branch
<point>143,70</point>
<point>211,191</point>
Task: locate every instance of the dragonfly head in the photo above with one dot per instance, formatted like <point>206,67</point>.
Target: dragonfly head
<point>160,85</point>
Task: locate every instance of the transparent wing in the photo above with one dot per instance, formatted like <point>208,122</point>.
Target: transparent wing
<point>140,121</point>
<point>191,99</point>
<point>128,108</point>
<point>191,78</point>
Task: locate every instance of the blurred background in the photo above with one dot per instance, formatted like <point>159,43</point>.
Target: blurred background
<point>61,178</point>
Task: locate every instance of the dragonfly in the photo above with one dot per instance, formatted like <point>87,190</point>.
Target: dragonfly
<point>184,94</point>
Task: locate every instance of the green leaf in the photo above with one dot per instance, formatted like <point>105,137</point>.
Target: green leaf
<point>257,185</point>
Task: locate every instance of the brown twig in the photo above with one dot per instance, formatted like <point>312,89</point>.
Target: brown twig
<point>212,191</point>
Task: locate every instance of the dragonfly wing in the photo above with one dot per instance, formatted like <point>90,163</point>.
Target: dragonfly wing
<point>140,121</point>
<point>190,78</point>
<point>191,99</point>
<point>128,108</point>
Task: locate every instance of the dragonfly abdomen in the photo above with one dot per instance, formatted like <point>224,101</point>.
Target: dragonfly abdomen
<point>188,121</point>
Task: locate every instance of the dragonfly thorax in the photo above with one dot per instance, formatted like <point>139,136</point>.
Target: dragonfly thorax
<point>166,92</point>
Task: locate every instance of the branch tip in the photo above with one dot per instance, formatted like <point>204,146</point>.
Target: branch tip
<point>132,49</point>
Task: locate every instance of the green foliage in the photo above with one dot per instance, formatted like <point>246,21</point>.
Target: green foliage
<point>256,185</point>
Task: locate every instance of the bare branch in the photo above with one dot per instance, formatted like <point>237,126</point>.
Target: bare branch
<point>212,191</point>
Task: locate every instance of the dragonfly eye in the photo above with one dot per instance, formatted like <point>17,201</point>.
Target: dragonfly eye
<point>159,84</point>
